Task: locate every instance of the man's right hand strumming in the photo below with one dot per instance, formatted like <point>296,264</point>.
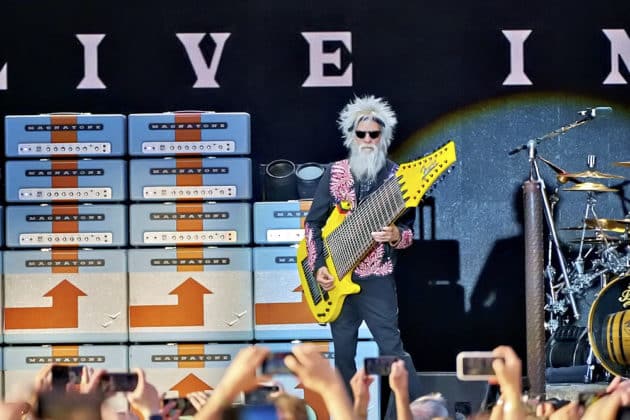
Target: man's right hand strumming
<point>325,279</point>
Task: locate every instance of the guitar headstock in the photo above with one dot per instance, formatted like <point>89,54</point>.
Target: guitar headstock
<point>416,177</point>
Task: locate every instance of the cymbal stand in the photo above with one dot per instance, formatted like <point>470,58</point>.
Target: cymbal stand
<point>554,306</point>
<point>535,177</point>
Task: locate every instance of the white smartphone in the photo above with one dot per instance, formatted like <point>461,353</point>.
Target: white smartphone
<point>474,365</point>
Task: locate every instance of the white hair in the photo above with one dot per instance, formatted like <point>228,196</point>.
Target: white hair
<point>428,407</point>
<point>367,108</point>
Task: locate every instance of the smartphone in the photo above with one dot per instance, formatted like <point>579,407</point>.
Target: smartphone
<point>381,365</point>
<point>475,365</point>
<point>274,364</point>
<point>183,405</point>
<point>63,375</point>
<point>251,412</point>
<point>119,382</point>
<point>260,395</point>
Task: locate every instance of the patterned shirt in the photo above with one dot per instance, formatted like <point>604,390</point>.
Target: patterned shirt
<point>338,189</point>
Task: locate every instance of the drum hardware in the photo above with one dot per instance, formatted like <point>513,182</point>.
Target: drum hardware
<point>534,176</point>
<point>614,261</point>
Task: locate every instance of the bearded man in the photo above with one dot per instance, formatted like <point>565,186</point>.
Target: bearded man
<point>367,125</point>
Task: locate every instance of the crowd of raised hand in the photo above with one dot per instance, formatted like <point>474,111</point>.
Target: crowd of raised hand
<point>86,400</point>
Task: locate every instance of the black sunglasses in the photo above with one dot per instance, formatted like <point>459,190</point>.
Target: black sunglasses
<point>373,134</point>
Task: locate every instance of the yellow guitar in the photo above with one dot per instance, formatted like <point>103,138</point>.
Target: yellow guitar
<point>347,239</point>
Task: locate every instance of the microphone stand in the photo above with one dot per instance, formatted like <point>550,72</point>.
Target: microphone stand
<point>552,134</point>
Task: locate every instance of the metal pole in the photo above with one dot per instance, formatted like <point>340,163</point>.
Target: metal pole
<point>534,286</point>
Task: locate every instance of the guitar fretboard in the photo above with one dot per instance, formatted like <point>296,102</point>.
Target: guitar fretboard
<point>352,239</point>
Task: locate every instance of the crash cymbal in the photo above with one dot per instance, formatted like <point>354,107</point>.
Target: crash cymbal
<point>613,225</point>
<point>577,228</point>
<point>591,174</point>
<point>562,178</point>
<point>621,163</point>
<point>590,186</point>
<point>596,240</point>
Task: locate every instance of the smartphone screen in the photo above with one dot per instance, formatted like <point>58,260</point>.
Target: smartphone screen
<point>182,405</point>
<point>63,375</point>
<point>475,365</point>
<point>274,364</point>
<point>260,395</point>
<point>381,365</point>
<point>119,382</point>
<point>251,412</point>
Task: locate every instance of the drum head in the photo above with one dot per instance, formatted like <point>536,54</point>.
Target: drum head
<point>611,300</point>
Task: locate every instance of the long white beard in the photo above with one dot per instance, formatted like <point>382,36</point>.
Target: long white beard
<point>365,161</point>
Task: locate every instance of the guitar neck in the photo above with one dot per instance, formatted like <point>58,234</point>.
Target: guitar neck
<point>352,239</point>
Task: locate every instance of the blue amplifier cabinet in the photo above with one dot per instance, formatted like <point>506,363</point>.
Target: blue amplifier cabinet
<point>23,363</point>
<point>190,294</point>
<point>190,179</point>
<point>65,135</point>
<point>85,180</point>
<point>167,224</point>
<point>85,225</point>
<point>189,133</point>
<point>65,296</point>
<point>281,311</point>
<point>280,222</point>
<point>178,369</point>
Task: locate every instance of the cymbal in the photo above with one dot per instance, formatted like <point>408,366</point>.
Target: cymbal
<point>590,186</point>
<point>595,240</point>
<point>562,178</point>
<point>613,225</point>
<point>591,174</point>
<point>621,163</point>
<point>578,228</point>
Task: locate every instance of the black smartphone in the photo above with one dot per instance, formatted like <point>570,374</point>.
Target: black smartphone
<point>183,405</point>
<point>119,382</point>
<point>63,375</point>
<point>261,394</point>
<point>274,364</point>
<point>381,365</point>
<point>251,412</point>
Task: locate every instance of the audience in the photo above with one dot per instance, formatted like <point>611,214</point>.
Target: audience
<point>85,400</point>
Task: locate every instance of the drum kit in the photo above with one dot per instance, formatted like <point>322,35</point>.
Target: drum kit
<point>597,273</point>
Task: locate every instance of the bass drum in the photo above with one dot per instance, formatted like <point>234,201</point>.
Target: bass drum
<point>609,326</point>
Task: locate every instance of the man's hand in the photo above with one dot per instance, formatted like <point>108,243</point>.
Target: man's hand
<point>325,279</point>
<point>389,234</point>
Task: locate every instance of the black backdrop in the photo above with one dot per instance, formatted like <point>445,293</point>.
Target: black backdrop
<point>442,66</point>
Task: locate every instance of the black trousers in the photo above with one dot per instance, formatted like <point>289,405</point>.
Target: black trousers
<point>377,304</point>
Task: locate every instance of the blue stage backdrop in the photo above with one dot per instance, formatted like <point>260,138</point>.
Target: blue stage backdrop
<point>490,75</point>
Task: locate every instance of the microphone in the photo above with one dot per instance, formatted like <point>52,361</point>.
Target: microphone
<point>596,111</point>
